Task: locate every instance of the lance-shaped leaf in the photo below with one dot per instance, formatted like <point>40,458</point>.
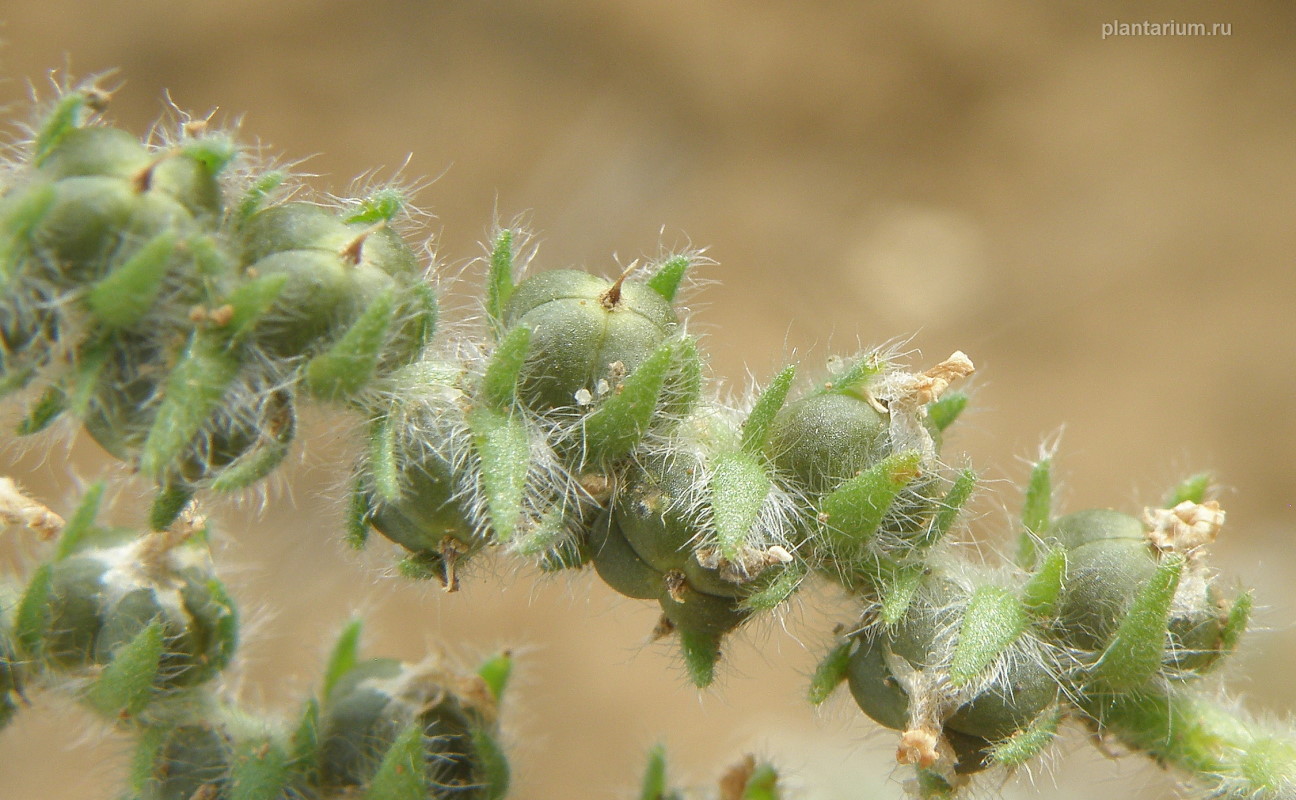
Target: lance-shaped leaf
<point>383,470</point>
<point>899,585</point>
<point>255,464</point>
<point>170,500</point>
<point>349,363</point>
<point>494,766</point>
<point>495,671</point>
<point>1136,650</point>
<point>20,219</point>
<point>401,773</point>
<point>853,511</point>
<point>227,624</point>
<point>503,449</point>
<point>854,378</point>
<point>123,296</point>
<point>499,281</point>
<point>653,786</point>
<point>1037,511</point>
<point>499,383</point>
<point>625,413</point>
<point>665,281</point>
<point>305,742</point>
<point>943,412</point>
<point>47,408</point>
<point>125,686</point>
<point>951,505</point>
<point>683,385</point>
<point>81,523</point>
<point>357,517</point>
<point>249,302</point>
<point>1193,489</point>
<point>755,429</point>
<point>260,769</point>
<point>193,389</point>
<point>1040,594</point>
<point>784,583</point>
<point>344,655</point>
<point>1028,742</point>
<point>65,117</point>
<point>1238,617</point>
<point>32,620</point>
<point>739,486</point>
<point>701,651</point>
<point>992,622</point>
<point>383,205</point>
<point>255,197</point>
<point>830,672</point>
<point>762,783</point>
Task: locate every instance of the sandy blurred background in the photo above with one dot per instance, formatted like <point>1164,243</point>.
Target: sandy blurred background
<point>1106,227</point>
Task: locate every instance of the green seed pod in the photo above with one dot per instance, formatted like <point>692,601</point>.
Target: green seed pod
<point>822,440</point>
<point>103,595</point>
<point>587,334</point>
<point>185,762</point>
<point>371,710</point>
<point>332,272</point>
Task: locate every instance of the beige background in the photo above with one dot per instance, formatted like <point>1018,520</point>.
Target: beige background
<point>1106,227</point>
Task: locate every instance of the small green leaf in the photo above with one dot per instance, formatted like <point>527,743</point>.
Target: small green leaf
<point>382,461</point>
<point>123,296</point>
<point>854,378</point>
<point>899,587</point>
<point>148,751</point>
<point>383,205</point>
<point>349,363</point>
<point>665,281</point>
<point>65,117</point>
<point>786,580</point>
<point>951,505</point>
<point>1136,650</point>
<point>42,413</point>
<point>1028,742</point>
<point>738,490</point>
<point>357,518</point>
<point>400,774</point>
<point>305,743</point>
<point>495,671</point>
<point>503,448</point>
<point>499,283</point>
<point>214,152</point>
<point>755,429</point>
<point>1238,617</point>
<point>227,625</point>
<point>82,522</point>
<point>701,651</point>
<point>1037,511</point>
<point>250,301</point>
<point>125,686</point>
<point>255,464</point>
<point>623,416</point>
<point>1192,489</point>
<point>943,412</point>
<point>854,510</point>
<point>1040,594</point>
<point>31,622</point>
<point>255,197</point>
<point>653,786</point>
<point>343,658</point>
<point>830,672</point>
<point>492,763</point>
<point>992,622</point>
<point>683,385</point>
<point>193,389</point>
<point>762,784</point>
<point>167,504</point>
<point>499,384</point>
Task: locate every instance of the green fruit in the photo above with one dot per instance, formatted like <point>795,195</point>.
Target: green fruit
<point>619,565</point>
<point>331,270</point>
<point>821,440</point>
<point>106,593</point>
<point>694,611</point>
<point>585,330</point>
<point>1098,524</point>
<point>191,761</point>
<point>371,705</point>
